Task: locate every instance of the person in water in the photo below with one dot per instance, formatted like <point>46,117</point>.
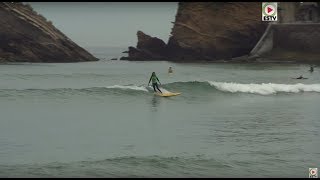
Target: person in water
<point>311,69</point>
<point>300,77</point>
<point>154,80</point>
<point>170,70</point>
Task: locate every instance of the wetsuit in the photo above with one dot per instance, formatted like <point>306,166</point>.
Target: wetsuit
<point>311,69</point>
<point>154,82</point>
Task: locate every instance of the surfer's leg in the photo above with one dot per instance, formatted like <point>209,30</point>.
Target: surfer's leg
<point>154,87</point>
<point>158,88</point>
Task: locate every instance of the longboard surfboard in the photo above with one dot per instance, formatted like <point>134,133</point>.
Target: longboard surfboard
<point>168,94</point>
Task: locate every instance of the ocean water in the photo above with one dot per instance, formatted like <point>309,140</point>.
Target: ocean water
<point>100,119</point>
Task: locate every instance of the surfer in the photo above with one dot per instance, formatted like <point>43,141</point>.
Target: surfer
<point>311,69</point>
<point>301,77</point>
<point>154,79</point>
<point>170,70</point>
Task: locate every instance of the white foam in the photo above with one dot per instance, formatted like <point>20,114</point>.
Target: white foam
<point>265,88</point>
<point>137,88</point>
<point>161,88</point>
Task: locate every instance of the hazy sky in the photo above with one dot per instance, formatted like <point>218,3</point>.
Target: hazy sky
<point>107,24</point>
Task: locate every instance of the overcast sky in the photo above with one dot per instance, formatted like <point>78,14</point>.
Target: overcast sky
<point>109,24</point>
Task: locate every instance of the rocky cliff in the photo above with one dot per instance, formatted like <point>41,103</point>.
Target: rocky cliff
<point>26,36</point>
<point>206,31</point>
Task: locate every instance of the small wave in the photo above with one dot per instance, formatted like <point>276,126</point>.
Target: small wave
<point>122,89</point>
<point>125,87</point>
<point>128,166</point>
<point>265,88</point>
<point>254,88</point>
<point>137,88</point>
<point>185,87</point>
<point>72,75</point>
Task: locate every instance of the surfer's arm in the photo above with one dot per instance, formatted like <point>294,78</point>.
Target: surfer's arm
<point>158,80</point>
<point>149,80</point>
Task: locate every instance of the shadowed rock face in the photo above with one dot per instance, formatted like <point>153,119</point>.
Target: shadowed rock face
<point>295,42</point>
<point>148,48</point>
<point>26,36</point>
<point>153,44</point>
<point>209,31</point>
<point>216,30</point>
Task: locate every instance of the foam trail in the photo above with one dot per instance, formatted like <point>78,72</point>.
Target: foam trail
<point>138,88</point>
<point>265,88</point>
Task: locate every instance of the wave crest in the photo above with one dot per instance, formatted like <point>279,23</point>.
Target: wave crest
<point>265,88</point>
<point>185,87</point>
<point>137,88</point>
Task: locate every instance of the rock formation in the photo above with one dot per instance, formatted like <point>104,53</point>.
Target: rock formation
<point>148,48</point>
<point>26,36</point>
<point>205,31</point>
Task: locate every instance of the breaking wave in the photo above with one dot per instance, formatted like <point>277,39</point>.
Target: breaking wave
<point>265,88</point>
<point>184,87</point>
